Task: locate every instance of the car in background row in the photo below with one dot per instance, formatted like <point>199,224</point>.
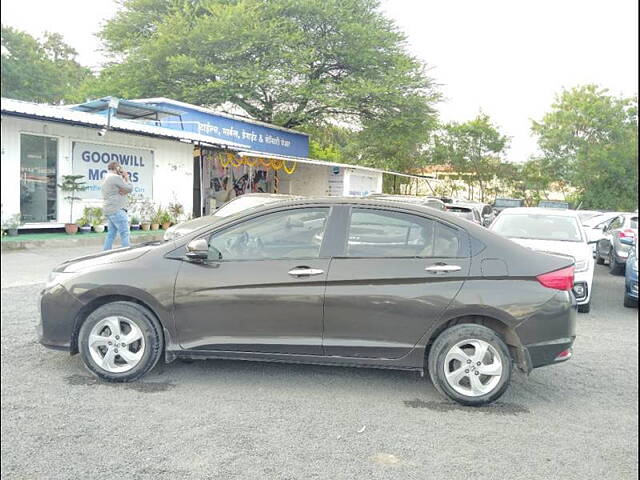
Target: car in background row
<point>485,210</point>
<point>594,226</point>
<point>557,232</point>
<point>431,202</point>
<point>618,237</point>
<point>586,215</point>
<point>501,203</point>
<point>233,206</point>
<point>631,278</point>
<point>464,211</point>
<point>554,204</point>
<point>335,281</point>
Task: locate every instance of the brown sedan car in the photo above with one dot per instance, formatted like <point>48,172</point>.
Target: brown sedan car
<point>337,281</point>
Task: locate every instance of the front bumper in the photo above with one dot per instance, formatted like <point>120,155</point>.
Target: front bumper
<point>582,285</point>
<point>58,313</point>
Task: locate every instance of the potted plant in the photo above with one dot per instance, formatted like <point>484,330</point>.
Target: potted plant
<point>84,225</point>
<point>135,223</point>
<point>97,219</point>
<point>165,219</point>
<point>10,225</point>
<point>156,219</point>
<point>176,210</point>
<point>71,184</point>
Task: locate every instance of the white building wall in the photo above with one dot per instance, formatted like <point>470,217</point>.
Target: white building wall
<point>173,162</point>
<point>308,180</point>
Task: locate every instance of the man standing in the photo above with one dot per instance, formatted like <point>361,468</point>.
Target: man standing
<point>115,187</point>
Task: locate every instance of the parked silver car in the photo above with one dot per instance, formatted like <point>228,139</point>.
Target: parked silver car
<point>613,247</point>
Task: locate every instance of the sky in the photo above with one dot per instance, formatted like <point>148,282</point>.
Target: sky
<point>506,58</point>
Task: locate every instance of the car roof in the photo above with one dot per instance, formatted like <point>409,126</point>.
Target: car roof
<point>268,195</point>
<point>540,211</point>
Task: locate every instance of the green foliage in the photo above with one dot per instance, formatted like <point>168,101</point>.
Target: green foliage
<point>589,140</point>
<point>288,62</point>
<point>39,71</point>
<point>475,147</point>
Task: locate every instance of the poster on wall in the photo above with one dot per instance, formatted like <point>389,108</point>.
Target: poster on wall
<point>336,181</point>
<point>362,185</point>
<point>91,160</point>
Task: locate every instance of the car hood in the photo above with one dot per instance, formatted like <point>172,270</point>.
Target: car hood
<point>577,250</point>
<point>112,256</point>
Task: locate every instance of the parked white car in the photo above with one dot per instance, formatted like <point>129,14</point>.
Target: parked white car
<point>556,232</point>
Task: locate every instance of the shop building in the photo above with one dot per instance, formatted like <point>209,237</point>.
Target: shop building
<point>175,152</point>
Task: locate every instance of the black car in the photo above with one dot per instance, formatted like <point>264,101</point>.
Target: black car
<point>336,281</point>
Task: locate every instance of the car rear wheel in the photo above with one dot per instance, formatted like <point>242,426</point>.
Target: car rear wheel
<point>120,341</point>
<point>599,259</point>
<point>470,364</point>
<point>615,268</point>
<point>629,302</point>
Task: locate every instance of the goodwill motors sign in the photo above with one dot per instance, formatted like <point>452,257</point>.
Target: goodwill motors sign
<point>91,160</point>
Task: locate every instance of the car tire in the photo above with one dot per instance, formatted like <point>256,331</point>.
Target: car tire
<point>629,302</point>
<point>446,365</point>
<point>615,268</point>
<point>113,329</point>
<point>585,308</point>
<point>599,259</point>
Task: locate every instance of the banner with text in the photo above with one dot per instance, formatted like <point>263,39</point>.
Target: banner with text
<point>91,160</point>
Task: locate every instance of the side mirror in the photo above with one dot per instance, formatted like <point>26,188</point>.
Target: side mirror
<point>198,249</point>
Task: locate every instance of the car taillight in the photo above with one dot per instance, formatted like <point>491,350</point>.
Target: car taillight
<point>559,279</point>
<point>626,233</point>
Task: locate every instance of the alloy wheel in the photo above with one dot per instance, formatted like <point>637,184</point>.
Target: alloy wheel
<point>116,344</point>
<point>473,367</point>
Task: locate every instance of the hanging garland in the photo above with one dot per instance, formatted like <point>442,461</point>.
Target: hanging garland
<point>277,164</point>
<point>290,170</point>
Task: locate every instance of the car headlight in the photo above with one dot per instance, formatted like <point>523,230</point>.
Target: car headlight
<point>56,278</point>
<point>582,265</point>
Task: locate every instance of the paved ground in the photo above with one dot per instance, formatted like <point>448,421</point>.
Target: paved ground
<point>240,420</point>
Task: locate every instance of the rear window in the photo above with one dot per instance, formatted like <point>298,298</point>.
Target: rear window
<point>634,222</point>
<point>538,227</point>
<point>507,202</point>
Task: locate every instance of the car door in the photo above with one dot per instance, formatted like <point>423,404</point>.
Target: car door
<point>395,276</point>
<point>605,243</point>
<point>262,288</point>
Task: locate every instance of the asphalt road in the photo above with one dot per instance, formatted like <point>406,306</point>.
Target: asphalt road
<point>242,420</point>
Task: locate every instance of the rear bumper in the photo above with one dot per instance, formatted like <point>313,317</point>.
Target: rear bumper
<point>547,353</point>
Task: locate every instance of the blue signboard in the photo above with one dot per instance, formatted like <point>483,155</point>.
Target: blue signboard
<point>258,138</point>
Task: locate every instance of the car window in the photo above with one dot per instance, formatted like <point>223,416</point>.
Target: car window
<point>292,234</point>
<point>616,223</point>
<point>377,233</point>
<point>633,222</point>
<point>538,227</point>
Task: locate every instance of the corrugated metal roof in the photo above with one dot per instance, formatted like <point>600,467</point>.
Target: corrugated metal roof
<point>67,115</point>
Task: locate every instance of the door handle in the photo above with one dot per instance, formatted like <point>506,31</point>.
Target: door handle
<point>305,272</point>
<point>443,268</point>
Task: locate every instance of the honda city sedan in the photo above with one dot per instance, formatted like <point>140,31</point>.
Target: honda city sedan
<point>334,281</point>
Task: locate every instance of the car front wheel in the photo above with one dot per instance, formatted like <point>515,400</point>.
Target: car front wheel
<point>120,341</point>
<point>470,364</point>
<point>615,268</point>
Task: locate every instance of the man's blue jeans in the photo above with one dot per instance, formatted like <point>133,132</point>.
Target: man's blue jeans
<point>117,223</point>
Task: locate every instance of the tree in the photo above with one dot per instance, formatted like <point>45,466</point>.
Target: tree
<point>39,71</point>
<point>475,147</point>
<point>589,139</point>
<point>288,62</point>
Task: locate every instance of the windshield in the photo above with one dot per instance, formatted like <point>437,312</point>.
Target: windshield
<point>507,202</point>
<point>538,227</point>
<point>552,204</point>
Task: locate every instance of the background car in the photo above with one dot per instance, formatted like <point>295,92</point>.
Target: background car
<point>556,232</point>
<point>595,225</point>
<point>487,215</point>
<point>236,205</point>
<point>342,281</point>
<point>585,215</point>
<point>631,278</point>
<point>501,203</point>
<point>553,204</point>
<point>431,202</point>
<point>464,211</point>
<point>618,236</point>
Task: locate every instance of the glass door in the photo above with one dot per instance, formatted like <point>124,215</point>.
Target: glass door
<point>38,175</point>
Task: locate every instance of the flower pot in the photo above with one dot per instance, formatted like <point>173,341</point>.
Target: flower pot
<point>155,226</point>
<point>71,228</point>
<point>98,228</point>
<point>166,225</point>
<point>85,229</point>
<point>135,226</point>
<point>145,226</point>
<point>12,232</point>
